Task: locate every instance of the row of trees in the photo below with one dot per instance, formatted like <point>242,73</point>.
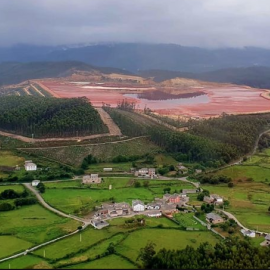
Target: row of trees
<point>232,254</point>
<point>49,117</point>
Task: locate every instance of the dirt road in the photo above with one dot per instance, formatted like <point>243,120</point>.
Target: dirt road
<point>107,120</point>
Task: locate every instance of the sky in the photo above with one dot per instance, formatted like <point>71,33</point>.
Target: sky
<point>201,23</point>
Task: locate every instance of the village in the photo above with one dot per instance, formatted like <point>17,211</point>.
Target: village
<point>167,206</point>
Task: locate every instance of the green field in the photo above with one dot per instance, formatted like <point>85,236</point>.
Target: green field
<point>25,262</point>
<point>8,158</point>
<point>66,197</point>
<point>74,155</point>
<point>30,225</point>
<point>11,244</point>
<point>108,262</point>
<point>17,188</point>
<point>187,220</point>
<point>249,202</point>
<point>163,238</point>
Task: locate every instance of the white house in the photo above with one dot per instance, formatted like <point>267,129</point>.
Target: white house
<point>30,166</point>
<point>248,233</point>
<point>143,171</point>
<point>91,179</point>
<point>217,198</point>
<point>137,206</point>
<point>35,183</point>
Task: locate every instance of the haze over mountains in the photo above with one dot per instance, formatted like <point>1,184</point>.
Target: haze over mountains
<point>249,66</point>
<point>137,56</point>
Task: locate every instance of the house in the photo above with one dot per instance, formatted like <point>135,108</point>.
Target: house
<point>213,198</point>
<point>137,206</point>
<point>99,224</point>
<point>153,206</point>
<point>182,168</point>
<point>175,198</point>
<point>107,169</point>
<point>190,191</point>
<point>143,171</point>
<point>91,179</point>
<point>166,196</point>
<point>248,233</point>
<point>35,183</point>
<point>30,166</point>
<point>152,172</point>
<point>169,209</point>
<point>214,218</point>
<point>217,199</point>
<point>154,213</point>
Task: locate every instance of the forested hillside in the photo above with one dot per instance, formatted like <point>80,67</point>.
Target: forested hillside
<point>257,76</point>
<point>13,72</point>
<point>212,142</point>
<point>49,117</point>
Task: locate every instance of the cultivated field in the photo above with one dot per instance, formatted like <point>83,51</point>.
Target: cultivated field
<point>74,155</point>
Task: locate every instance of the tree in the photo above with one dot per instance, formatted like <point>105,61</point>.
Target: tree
<point>269,209</point>
<point>41,187</point>
<point>6,207</point>
<point>230,185</point>
<point>146,254</point>
<point>137,184</point>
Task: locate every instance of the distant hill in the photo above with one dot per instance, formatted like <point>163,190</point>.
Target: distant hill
<point>251,76</point>
<point>135,56</point>
<point>12,72</point>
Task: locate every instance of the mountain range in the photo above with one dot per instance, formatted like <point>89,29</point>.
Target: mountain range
<point>135,57</point>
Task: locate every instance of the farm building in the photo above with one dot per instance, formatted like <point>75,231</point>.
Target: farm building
<point>137,206</point>
<point>91,179</point>
<point>248,233</point>
<point>146,172</point>
<point>99,224</point>
<point>190,191</point>
<point>214,218</point>
<point>107,169</point>
<point>35,183</point>
<point>30,166</point>
<point>213,198</point>
<point>154,213</point>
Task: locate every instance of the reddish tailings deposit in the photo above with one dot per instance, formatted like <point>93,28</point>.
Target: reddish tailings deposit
<point>204,101</point>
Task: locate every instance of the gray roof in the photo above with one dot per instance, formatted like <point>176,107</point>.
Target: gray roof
<point>135,202</point>
<point>213,216</point>
<point>267,237</point>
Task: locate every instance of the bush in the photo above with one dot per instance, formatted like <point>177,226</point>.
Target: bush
<point>25,201</point>
<point>230,185</point>
<point>6,207</point>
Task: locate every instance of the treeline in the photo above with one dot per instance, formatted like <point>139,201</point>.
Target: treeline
<point>18,198</point>
<point>233,254</point>
<point>49,117</point>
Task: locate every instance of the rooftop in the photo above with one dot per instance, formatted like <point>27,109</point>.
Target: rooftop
<point>213,216</point>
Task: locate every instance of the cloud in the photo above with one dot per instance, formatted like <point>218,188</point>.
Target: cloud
<point>202,23</point>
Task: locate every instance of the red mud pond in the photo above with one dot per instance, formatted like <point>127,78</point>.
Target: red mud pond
<point>208,101</point>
